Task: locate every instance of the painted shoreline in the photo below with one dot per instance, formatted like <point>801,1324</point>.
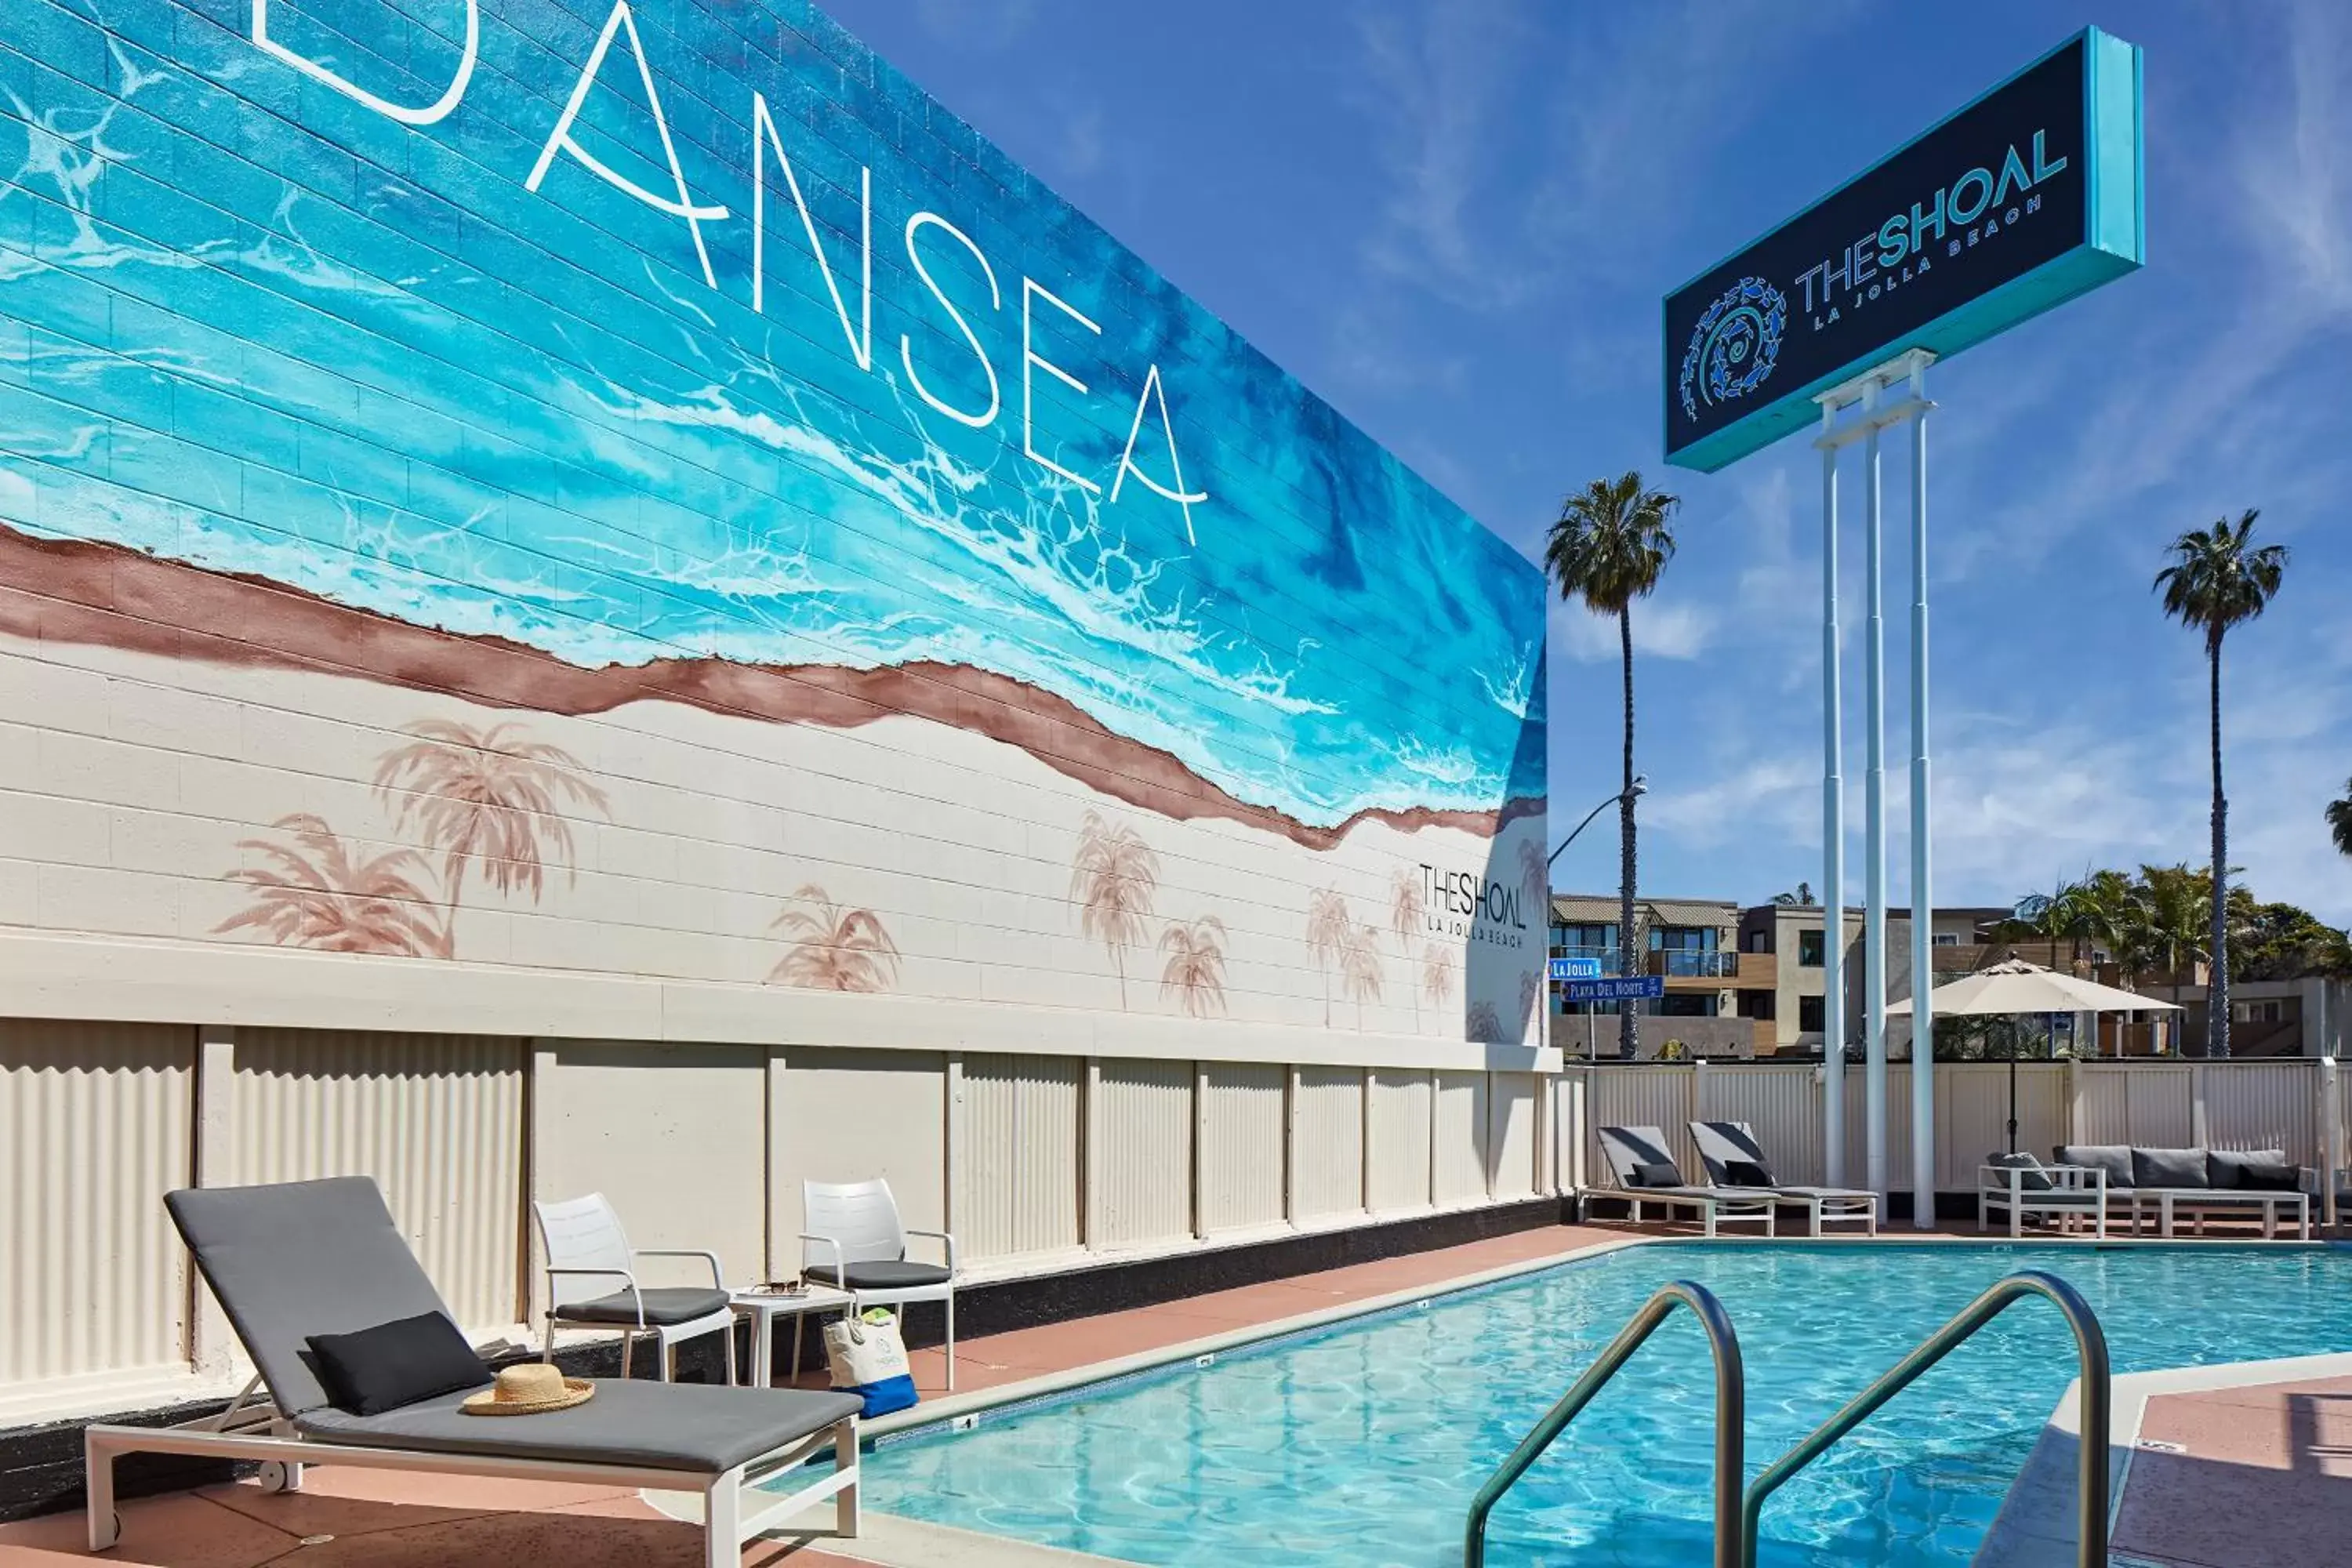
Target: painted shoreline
<point>92,593</point>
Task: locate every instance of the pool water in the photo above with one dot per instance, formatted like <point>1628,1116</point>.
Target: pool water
<point>1364,1443</point>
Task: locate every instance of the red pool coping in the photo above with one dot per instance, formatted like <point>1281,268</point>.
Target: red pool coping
<point>2262,1478</point>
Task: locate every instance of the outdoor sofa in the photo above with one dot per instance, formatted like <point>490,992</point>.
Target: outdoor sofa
<point>306,1259</point>
<point>2115,1179</point>
<point>1646,1172</point>
<point>1734,1158</point>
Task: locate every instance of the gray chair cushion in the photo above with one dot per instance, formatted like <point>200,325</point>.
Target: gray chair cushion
<point>2178,1168</point>
<point>880,1275</point>
<point>2035,1179</point>
<point>2114,1159</point>
<point>698,1429</point>
<point>300,1259</point>
<point>665,1304</point>
<point>2261,1170</point>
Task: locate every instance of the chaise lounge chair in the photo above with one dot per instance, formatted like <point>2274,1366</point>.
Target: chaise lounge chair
<point>307,1259</point>
<point>1638,1157</point>
<point>1725,1146</point>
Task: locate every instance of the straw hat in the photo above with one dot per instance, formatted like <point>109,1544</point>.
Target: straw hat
<point>528,1390</point>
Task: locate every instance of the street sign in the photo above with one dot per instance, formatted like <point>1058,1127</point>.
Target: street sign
<point>1576,969</point>
<point>1640,987</point>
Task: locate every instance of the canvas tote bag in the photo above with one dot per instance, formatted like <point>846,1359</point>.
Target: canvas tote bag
<point>868,1358</point>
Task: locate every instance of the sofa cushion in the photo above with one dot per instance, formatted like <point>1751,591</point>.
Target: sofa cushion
<point>2035,1179</point>
<point>2114,1159</point>
<point>2180,1168</point>
<point>1744,1174</point>
<point>2261,1168</point>
<point>1655,1173</point>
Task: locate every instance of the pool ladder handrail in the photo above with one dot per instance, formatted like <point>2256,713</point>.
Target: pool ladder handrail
<point>2093,1407</point>
<point>1730,1417</point>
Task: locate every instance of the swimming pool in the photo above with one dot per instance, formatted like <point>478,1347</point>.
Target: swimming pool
<point>1362,1442</point>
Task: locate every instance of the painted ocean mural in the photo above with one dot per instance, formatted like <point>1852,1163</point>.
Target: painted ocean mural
<point>260,326</point>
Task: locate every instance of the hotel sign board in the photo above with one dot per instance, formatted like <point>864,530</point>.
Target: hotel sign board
<point>2022,200</point>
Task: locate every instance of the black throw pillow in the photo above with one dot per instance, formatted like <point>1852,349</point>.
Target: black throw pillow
<point>374,1369</point>
<point>2270,1178</point>
<point>1656,1173</point>
<point>1744,1174</point>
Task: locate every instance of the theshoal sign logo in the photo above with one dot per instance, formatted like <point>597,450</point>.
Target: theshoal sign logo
<point>2025,199</point>
<point>1472,907</point>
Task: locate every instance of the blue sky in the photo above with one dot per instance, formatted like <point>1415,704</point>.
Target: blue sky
<point>1455,220</point>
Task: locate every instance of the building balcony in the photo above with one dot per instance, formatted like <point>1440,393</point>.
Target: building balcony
<point>1694,965</point>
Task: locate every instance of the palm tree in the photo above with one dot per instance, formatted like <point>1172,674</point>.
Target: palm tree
<point>486,796</point>
<point>2339,820</point>
<point>1607,547</point>
<point>1408,912</point>
<point>1195,974</point>
<point>1327,926</point>
<point>835,949</point>
<point>2218,580</point>
<point>2171,924</point>
<point>1483,1024</point>
<point>1112,879</point>
<point>1436,975</point>
<point>1360,969</point>
<point>315,894</point>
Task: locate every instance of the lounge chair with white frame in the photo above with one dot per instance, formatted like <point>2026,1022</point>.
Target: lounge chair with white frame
<point>301,1260</point>
<point>592,1283</point>
<point>1725,1147</point>
<point>1646,1172</point>
<point>857,1242</point>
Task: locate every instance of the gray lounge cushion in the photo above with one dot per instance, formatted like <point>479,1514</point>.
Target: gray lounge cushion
<point>2181,1169</point>
<point>2114,1159</point>
<point>2035,1179</point>
<point>664,1304</point>
<point>699,1428</point>
<point>1656,1173</point>
<point>300,1258</point>
<point>882,1274</point>
<point>2254,1170</point>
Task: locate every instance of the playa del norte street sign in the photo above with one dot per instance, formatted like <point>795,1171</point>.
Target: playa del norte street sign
<point>2026,197</point>
<point>1638,988</point>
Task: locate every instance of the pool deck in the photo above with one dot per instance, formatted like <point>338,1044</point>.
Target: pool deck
<point>2279,1452</point>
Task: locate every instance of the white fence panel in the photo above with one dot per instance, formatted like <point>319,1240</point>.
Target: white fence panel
<point>1140,1154</point>
<point>1017,1176</point>
<point>1659,1097</point>
<point>2262,1105</point>
<point>437,1119</point>
<point>1511,1114</point>
<point>1972,1112</point>
<point>1462,1150</point>
<point>97,1117</point>
<point>1241,1132</point>
<point>2146,1104</point>
<point>1327,1154</point>
<point>1398,1123</point>
<point>1780,1103</point>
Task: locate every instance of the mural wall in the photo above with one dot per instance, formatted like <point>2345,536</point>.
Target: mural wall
<point>641,488</point>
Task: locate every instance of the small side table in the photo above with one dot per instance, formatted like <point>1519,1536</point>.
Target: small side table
<point>763,1310</point>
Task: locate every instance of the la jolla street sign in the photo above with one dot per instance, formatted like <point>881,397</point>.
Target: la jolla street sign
<point>2021,201</point>
<point>1576,969</point>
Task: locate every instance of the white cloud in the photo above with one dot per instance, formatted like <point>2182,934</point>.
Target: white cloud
<point>1661,629</point>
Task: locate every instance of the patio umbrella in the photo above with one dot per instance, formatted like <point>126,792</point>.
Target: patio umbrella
<point>2014,986</point>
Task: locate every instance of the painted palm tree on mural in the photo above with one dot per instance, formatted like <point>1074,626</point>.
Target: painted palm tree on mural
<point>1535,881</point>
<point>1328,925</point>
<point>1437,973</point>
<point>1530,988</point>
<point>1408,915</point>
<point>1195,973</point>
<point>1361,974</point>
<point>1611,542</point>
<point>1483,1024</point>
<point>316,893</point>
<point>487,799</point>
<point>834,949</point>
<point>2219,578</point>
<point>1112,880</point>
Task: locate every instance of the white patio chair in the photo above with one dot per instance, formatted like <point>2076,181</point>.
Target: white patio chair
<point>857,1242</point>
<point>588,1254</point>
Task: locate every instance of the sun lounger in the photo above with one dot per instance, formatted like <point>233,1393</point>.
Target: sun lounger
<point>306,1258</point>
<point>1723,1145</point>
<point>1634,1152</point>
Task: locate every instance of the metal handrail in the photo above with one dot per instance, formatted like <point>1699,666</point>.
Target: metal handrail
<point>2093,1408</point>
<point>1730,1417</point>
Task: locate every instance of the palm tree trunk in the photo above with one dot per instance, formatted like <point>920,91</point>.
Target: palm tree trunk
<point>2217,985</point>
<point>1118,961</point>
<point>449,919</point>
<point>1629,1026</point>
